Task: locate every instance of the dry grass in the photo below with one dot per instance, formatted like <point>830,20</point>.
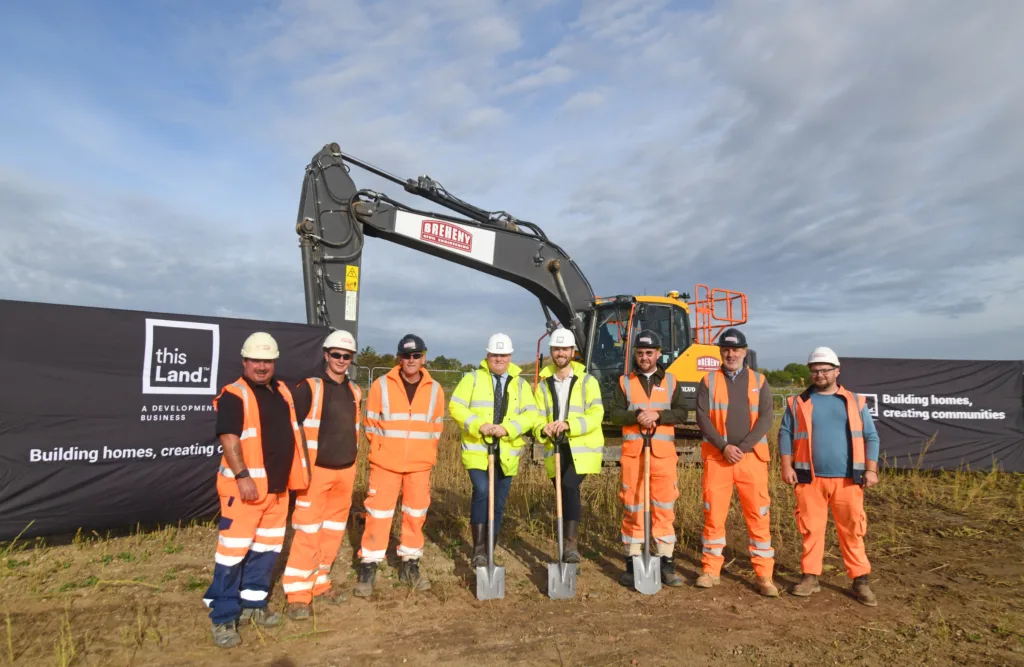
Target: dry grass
<point>134,579</point>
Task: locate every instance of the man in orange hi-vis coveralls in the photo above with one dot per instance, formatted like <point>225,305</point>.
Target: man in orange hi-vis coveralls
<point>734,413</point>
<point>829,451</point>
<point>264,456</point>
<point>328,405</point>
<point>404,420</point>
<point>649,398</point>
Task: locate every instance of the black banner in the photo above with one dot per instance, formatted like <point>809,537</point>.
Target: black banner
<point>106,416</point>
<point>974,410</point>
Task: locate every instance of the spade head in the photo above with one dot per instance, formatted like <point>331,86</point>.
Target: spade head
<point>561,581</point>
<point>490,582</point>
<point>647,574</point>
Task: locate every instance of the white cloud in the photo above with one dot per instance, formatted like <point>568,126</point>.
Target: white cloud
<point>583,101</point>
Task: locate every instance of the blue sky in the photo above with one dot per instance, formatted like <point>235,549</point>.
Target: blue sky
<point>860,180</point>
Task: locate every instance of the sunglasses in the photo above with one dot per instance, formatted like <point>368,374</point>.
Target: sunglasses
<point>340,355</point>
<point>411,355</point>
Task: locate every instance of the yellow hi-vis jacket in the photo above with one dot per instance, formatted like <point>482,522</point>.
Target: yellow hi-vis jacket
<point>585,413</point>
<point>472,406</point>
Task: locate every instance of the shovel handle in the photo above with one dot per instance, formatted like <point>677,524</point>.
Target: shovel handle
<point>558,479</point>
<point>647,471</point>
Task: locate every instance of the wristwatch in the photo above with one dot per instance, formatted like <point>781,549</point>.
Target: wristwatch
<point>242,475</point>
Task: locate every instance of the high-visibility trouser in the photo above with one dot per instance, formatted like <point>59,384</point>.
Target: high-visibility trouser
<point>381,498</point>
<point>250,540</point>
<point>846,498</point>
<point>319,519</point>
<point>750,477</point>
<point>664,491</point>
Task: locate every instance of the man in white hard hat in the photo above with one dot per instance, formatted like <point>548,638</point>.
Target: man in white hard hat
<point>829,451</point>
<point>493,402</point>
<point>571,411</point>
<point>264,457</point>
<point>329,406</point>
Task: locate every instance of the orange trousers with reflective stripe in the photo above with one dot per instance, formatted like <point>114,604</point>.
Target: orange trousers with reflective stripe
<point>846,499</point>
<point>319,519</point>
<point>750,478</point>
<point>664,491</point>
<point>381,497</point>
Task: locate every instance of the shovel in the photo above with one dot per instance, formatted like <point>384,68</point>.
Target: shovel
<point>561,576</point>
<point>647,568</point>
<point>490,580</point>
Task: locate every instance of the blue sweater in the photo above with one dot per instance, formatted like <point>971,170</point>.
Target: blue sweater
<point>831,444</point>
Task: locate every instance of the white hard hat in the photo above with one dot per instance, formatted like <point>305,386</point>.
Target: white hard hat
<point>499,343</point>
<point>260,345</point>
<point>341,339</point>
<point>823,355</point>
<point>562,338</point>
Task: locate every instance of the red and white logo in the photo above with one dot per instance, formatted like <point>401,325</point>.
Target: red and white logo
<point>708,364</point>
<point>446,234</point>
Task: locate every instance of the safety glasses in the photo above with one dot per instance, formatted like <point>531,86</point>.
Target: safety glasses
<point>340,355</point>
<point>410,355</point>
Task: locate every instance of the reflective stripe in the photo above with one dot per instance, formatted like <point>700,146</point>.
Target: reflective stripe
<point>659,405</point>
<point>234,542</point>
<point>297,586</point>
<point>596,401</point>
<point>380,514</point>
<point>664,506</point>
<point>666,539</point>
<point>311,423</point>
<point>456,399</point>
<point>717,540</point>
<point>583,425</point>
<point>856,434</point>
<point>469,420</point>
<point>372,556</point>
<point>764,510</point>
<point>481,404</point>
<point>229,561</point>
<point>403,550</point>
<point>707,505</point>
<point>800,435</point>
<point>312,444</point>
<point>581,449</point>
<point>719,406</point>
<point>207,601</point>
<point>306,527</point>
<point>370,414</point>
<point>323,579</point>
<point>262,548</point>
<point>433,399</point>
<point>761,545</point>
<point>633,508</point>
<point>270,532</point>
<point>318,392</point>
<point>629,539</point>
<point>303,503</point>
<point>253,472</point>
<point>375,430</point>
<point>527,408</point>
<point>801,465</point>
<point>763,553</point>
<point>858,465</point>
<point>474,448</point>
<point>247,433</point>
<point>334,525</point>
<point>296,572</point>
<point>385,401</point>
<point>252,596</point>
<point>716,551</point>
<point>515,452</point>
<point>401,433</point>
<point>413,512</point>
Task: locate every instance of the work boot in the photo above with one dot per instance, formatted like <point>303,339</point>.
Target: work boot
<point>808,584</point>
<point>364,585</point>
<point>669,577</point>
<point>333,595</point>
<point>479,545</point>
<point>225,635</point>
<point>767,587</point>
<point>707,580</point>
<point>410,574</point>
<point>570,553</point>
<point>627,577</point>
<point>262,617</point>
<point>298,611</point>
<point>863,593</point>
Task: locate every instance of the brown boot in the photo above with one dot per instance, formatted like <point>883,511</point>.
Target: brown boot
<point>863,593</point>
<point>807,585</point>
<point>298,611</point>
<point>706,580</point>
<point>767,588</point>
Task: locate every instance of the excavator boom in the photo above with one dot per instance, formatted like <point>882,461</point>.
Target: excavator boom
<point>334,216</point>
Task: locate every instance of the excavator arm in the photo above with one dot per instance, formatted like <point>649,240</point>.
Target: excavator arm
<point>335,217</point>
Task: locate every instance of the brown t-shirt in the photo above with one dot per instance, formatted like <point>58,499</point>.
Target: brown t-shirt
<point>737,418</point>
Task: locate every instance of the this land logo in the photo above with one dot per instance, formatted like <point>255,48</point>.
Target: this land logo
<point>872,402</point>
<point>181,357</point>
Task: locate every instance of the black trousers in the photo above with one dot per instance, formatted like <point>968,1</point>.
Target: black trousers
<point>571,481</point>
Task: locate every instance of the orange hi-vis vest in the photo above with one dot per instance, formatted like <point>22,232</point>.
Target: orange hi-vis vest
<point>311,424</point>
<point>252,444</point>
<point>403,437</point>
<point>801,408</point>
<point>663,442</point>
<point>718,402</point>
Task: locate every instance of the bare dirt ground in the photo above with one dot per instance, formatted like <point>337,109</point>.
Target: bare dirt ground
<point>947,552</point>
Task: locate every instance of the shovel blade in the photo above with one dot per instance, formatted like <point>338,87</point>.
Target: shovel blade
<point>647,574</point>
<point>561,581</point>
<point>490,583</point>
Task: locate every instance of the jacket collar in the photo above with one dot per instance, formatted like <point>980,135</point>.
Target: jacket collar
<point>396,375</point>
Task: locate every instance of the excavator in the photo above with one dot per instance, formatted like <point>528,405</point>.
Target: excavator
<point>335,217</point>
